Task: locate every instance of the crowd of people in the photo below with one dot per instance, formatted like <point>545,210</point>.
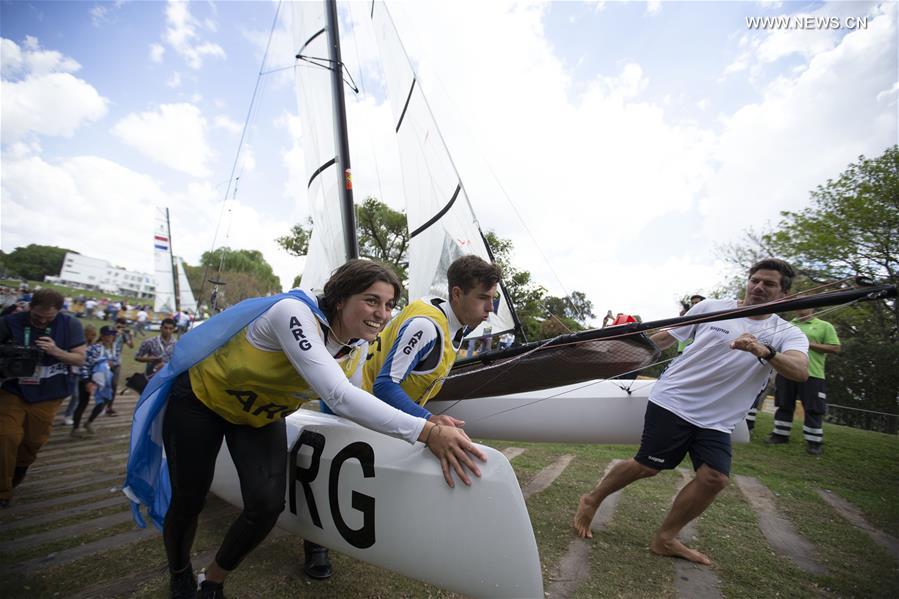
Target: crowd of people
<point>346,348</point>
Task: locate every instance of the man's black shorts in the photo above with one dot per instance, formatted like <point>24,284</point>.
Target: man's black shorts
<point>667,438</point>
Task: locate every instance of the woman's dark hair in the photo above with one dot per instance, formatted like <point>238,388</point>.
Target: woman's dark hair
<point>782,266</point>
<point>355,277</point>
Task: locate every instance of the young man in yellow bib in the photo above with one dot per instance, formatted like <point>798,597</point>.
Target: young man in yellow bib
<point>409,360</point>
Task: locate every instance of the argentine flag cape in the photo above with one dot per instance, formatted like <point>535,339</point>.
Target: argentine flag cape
<point>147,477</point>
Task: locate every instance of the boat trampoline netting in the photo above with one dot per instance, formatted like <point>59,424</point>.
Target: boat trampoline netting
<point>563,363</point>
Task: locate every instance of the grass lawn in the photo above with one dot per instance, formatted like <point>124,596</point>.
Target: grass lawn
<point>859,466</point>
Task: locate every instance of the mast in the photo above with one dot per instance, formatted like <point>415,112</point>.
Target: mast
<point>341,139</point>
<point>175,295</point>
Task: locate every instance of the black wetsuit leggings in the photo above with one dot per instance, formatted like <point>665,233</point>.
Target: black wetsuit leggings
<point>192,434</point>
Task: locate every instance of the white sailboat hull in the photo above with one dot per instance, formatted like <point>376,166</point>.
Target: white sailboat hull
<point>382,501</point>
<point>602,411</point>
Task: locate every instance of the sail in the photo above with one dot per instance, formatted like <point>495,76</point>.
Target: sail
<point>442,225</point>
<point>162,256</point>
<point>185,296</point>
<point>306,22</point>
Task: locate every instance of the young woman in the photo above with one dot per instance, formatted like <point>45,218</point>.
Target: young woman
<point>90,337</point>
<point>84,379</point>
<point>298,347</point>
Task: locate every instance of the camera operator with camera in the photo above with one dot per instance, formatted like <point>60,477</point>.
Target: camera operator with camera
<point>38,347</point>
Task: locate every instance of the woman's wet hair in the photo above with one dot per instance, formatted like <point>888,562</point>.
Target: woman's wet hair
<point>355,277</point>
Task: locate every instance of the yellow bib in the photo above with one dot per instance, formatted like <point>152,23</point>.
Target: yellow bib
<point>419,386</point>
<point>246,385</point>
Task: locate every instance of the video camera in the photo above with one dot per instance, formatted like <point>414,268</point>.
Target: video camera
<point>18,361</point>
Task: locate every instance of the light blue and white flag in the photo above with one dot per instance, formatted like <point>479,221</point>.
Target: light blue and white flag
<point>147,477</point>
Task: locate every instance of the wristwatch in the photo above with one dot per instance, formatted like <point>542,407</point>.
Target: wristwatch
<point>771,353</point>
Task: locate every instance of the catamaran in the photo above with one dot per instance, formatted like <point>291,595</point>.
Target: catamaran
<point>365,494</point>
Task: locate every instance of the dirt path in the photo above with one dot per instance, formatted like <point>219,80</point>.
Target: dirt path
<point>779,531</point>
<point>693,581</point>
<point>545,477</point>
<point>574,567</point>
<point>854,516</point>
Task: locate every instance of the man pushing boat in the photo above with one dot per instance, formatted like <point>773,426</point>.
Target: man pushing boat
<point>700,398</point>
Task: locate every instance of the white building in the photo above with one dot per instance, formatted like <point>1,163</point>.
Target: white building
<point>92,273</point>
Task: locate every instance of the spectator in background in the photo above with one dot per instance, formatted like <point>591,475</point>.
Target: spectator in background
<point>141,322</point>
<point>182,322</point>
<point>123,337</point>
<point>90,304</point>
<point>112,311</point>
<point>822,340</point>
<point>156,351</point>
<point>90,337</point>
<point>97,376</point>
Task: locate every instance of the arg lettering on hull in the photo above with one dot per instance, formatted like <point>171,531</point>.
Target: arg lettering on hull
<point>384,501</point>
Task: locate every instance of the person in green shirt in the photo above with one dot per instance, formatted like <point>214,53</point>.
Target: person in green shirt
<point>822,340</point>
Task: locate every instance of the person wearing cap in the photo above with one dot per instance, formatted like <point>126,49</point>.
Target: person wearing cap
<point>28,404</point>
<point>96,379</point>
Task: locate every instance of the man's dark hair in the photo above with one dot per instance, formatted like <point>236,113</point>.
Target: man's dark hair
<point>782,266</point>
<point>470,271</point>
<point>47,298</point>
<point>695,295</point>
<point>121,320</point>
<point>354,277</point>
<point>166,321</point>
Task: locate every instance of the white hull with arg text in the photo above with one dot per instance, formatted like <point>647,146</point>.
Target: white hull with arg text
<point>379,500</point>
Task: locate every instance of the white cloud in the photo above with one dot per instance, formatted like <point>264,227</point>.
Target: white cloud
<point>40,96</point>
<point>228,124</point>
<point>174,80</point>
<point>157,52</point>
<point>90,189</point>
<point>174,135</point>
<point>806,128</point>
<point>653,7</point>
<point>181,34</point>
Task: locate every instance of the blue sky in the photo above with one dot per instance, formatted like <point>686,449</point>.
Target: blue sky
<point>632,138</point>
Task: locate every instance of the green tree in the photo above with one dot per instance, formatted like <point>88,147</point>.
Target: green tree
<point>382,235</point>
<point>245,272</point>
<point>849,229</point>
<point>34,261</point>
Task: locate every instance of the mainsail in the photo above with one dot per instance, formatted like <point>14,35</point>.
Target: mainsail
<point>327,251</point>
<point>162,256</point>
<point>442,224</point>
<point>442,227</point>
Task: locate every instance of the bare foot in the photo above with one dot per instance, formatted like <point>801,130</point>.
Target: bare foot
<point>674,548</point>
<point>584,517</point>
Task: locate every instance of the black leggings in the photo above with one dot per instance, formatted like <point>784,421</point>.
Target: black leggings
<point>84,397</point>
<point>192,435</point>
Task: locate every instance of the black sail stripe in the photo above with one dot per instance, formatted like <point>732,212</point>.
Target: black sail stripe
<point>309,41</point>
<point>405,106</point>
<point>437,216</point>
<point>372,16</point>
<point>319,170</point>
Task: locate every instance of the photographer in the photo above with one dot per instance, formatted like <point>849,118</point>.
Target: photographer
<point>29,403</point>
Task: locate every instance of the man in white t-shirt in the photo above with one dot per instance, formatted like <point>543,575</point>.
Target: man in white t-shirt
<point>700,398</point>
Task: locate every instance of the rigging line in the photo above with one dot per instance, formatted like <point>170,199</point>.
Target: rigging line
<point>243,133</point>
<point>594,382</point>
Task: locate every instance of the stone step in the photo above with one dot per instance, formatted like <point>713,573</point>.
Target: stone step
<point>545,477</point>
<point>778,530</point>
